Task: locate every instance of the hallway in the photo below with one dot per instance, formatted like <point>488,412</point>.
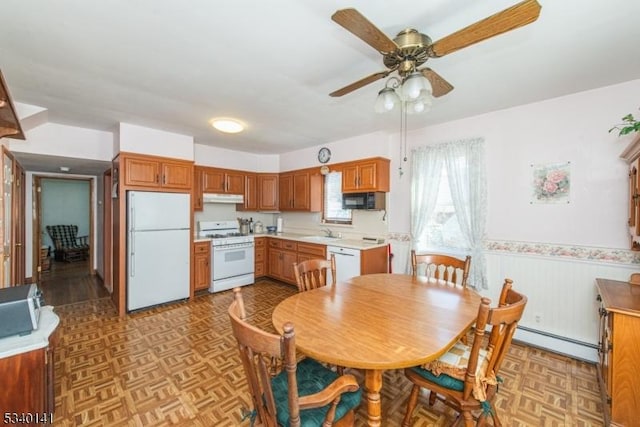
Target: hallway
<point>70,282</point>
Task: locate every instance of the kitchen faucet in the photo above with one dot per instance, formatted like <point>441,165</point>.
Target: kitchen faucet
<point>328,232</point>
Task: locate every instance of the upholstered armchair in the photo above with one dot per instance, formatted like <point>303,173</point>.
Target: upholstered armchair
<point>68,245</point>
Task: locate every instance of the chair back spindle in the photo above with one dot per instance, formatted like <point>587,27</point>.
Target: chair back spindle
<point>312,274</point>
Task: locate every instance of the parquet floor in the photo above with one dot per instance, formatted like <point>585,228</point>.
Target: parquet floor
<point>178,365</point>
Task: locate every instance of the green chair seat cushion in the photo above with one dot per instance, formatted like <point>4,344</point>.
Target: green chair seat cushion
<point>442,380</point>
<point>312,377</point>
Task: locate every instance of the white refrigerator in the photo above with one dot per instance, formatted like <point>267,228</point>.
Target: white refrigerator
<point>158,248</point>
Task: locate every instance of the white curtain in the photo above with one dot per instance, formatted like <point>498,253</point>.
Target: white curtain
<point>465,165</point>
<point>426,168</point>
<point>468,184</point>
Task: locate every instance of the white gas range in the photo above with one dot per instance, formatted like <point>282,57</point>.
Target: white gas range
<point>232,254</point>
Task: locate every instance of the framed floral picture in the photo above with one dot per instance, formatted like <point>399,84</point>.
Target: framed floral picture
<point>551,183</point>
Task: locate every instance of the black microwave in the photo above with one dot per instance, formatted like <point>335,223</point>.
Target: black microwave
<point>374,201</point>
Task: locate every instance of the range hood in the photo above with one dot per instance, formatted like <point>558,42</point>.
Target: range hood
<point>9,123</point>
<point>222,198</point>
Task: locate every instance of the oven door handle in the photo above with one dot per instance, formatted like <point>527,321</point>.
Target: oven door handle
<point>233,246</point>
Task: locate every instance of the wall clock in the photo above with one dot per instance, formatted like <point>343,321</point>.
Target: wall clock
<point>324,155</point>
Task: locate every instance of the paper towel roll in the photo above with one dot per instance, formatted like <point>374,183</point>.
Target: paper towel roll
<point>279,223</point>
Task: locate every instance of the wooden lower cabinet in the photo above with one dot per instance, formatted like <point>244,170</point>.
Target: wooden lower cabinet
<point>282,255</point>
<point>28,385</point>
<point>260,257</point>
<point>619,351</point>
<point>201,265</point>
<point>308,251</point>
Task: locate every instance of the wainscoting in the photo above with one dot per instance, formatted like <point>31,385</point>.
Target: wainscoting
<point>559,280</point>
<point>562,312</point>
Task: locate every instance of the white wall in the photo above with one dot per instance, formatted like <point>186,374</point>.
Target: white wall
<point>230,159</point>
<point>138,139</point>
<point>66,141</point>
<point>370,145</point>
<point>572,128</point>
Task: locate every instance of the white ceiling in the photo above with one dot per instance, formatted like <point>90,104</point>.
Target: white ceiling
<point>173,65</point>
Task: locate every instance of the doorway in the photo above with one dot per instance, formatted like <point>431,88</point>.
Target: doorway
<point>63,202</point>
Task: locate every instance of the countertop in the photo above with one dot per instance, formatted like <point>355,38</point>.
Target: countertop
<point>47,324</point>
<point>319,240</point>
<point>328,241</point>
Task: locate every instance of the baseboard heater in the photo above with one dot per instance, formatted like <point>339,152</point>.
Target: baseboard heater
<point>587,352</point>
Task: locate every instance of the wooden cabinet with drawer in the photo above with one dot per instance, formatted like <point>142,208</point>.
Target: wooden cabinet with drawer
<point>307,251</point>
<point>260,257</point>
<point>619,347</point>
<point>282,255</point>
<point>201,265</point>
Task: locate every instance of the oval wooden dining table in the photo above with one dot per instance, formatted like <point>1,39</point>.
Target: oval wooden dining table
<point>377,322</point>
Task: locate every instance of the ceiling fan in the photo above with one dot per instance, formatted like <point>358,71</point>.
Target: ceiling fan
<point>410,48</point>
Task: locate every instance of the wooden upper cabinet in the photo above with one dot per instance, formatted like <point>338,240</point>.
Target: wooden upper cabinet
<point>223,181</point>
<point>140,171</point>
<point>366,175</point>
<point>250,193</point>
<point>176,174</point>
<point>267,191</point>
<point>285,187</point>
<point>301,191</point>
<point>156,172</point>
<point>198,203</point>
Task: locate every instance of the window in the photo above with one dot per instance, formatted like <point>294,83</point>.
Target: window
<point>333,212</point>
<point>449,202</point>
<point>443,230</point>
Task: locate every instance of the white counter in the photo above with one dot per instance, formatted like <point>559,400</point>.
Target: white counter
<point>47,324</point>
<point>344,243</point>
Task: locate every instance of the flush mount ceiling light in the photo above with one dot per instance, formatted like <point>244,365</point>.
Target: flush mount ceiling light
<point>228,125</point>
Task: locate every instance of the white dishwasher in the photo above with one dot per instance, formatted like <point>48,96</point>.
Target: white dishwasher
<point>347,262</point>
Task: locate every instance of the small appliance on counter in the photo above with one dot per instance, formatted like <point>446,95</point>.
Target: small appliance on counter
<point>258,228</point>
<point>244,226</point>
<point>19,309</point>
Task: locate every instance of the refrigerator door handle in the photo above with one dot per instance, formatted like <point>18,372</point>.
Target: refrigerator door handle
<point>132,211</point>
<point>132,261</point>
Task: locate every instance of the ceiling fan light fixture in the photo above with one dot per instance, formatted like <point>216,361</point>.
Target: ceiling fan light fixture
<point>420,105</point>
<point>386,101</point>
<point>228,125</point>
<point>413,86</point>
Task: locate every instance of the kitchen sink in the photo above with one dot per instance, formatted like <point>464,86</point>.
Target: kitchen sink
<point>321,238</point>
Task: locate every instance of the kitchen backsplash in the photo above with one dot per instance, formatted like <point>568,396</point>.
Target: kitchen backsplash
<point>365,223</point>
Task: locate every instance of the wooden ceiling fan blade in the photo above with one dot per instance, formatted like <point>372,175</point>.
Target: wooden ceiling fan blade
<point>354,22</point>
<point>360,83</point>
<point>439,86</point>
<point>509,19</point>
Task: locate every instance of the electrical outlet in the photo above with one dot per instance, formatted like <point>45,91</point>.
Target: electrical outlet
<point>538,317</point>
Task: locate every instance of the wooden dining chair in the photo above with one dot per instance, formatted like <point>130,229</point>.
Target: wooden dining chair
<point>442,267</point>
<point>466,377</point>
<point>312,273</point>
<point>302,393</point>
